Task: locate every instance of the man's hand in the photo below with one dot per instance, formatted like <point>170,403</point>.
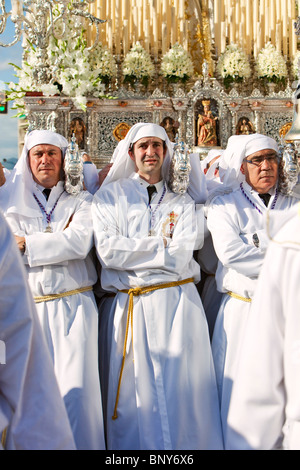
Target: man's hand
<point>104,172</point>
<point>21,243</point>
<point>2,176</point>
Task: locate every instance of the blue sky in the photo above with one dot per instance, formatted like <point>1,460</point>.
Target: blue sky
<point>8,124</point>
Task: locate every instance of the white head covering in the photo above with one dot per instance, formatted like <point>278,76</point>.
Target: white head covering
<point>123,166</point>
<point>213,153</point>
<point>21,182</point>
<point>238,148</point>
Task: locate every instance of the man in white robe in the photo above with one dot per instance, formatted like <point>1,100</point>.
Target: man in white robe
<point>265,410</point>
<point>161,381</point>
<point>32,412</point>
<point>55,237</point>
<point>197,189</point>
<point>235,220</point>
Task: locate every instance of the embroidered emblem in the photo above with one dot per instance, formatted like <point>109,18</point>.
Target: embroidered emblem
<point>169,225</point>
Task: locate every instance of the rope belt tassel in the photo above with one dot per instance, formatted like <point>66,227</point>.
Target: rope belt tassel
<point>47,298</point>
<point>135,292</point>
<point>3,438</point>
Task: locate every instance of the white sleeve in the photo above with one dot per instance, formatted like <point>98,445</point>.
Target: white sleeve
<point>30,403</point>
<point>233,250</point>
<point>91,177</point>
<point>118,251</point>
<point>74,242</point>
<point>197,185</point>
<point>257,410</point>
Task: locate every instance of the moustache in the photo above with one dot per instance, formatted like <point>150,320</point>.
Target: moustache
<point>152,157</point>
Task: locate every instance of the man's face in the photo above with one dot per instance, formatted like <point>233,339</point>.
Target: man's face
<point>45,162</point>
<point>148,155</point>
<point>262,173</point>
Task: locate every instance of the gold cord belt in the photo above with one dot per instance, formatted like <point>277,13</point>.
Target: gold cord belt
<point>3,438</point>
<point>46,298</point>
<point>134,293</point>
<point>239,297</point>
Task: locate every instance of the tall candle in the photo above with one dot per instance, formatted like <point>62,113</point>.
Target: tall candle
<point>222,18</point>
<point>272,24</point>
<point>169,20</point>
<point>217,12</point>
<point>125,37</point>
<point>154,32</point>
<point>284,27</point>
<point>259,36</point>
<point>147,35</point>
<point>278,37</point>
<point>154,25</point>
<point>186,35</point>
<point>108,9</point>
<point>223,36</point>
<point>267,21</point>
<point>16,7</point>
<point>293,50</point>
<point>249,22</point>
<point>173,26</point>
<point>130,24</point>
<point>278,9</point>
<point>163,38</point>
<point>232,25</point>
<point>102,13</point>
<point>181,31</point>
<point>140,20</point>
<point>109,34</point>
<point>181,8</point>
<point>255,19</point>
<point>217,22</point>
<point>135,24</point>
<point>292,31</point>
<point>113,13</point>
<point>262,22</point>
<point>122,13</point>
<point>237,14</point>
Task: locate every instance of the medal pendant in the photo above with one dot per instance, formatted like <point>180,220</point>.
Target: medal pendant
<point>48,229</point>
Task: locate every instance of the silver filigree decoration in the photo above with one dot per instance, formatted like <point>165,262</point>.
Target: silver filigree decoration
<point>73,169</point>
<point>290,166</point>
<point>180,168</point>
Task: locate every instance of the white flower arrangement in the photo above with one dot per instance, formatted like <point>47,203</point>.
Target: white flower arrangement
<point>270,64</point>
<point>177,65</point>
<point>137,65</point>
<point>233,65</point>
<point>103,62</point>
<point>75,71</point>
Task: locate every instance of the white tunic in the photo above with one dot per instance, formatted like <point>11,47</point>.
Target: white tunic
<point>31,407</point>
<point>265,401</point>
<point>168,397</point>
<point>233,221</point>
<point>59,262</point>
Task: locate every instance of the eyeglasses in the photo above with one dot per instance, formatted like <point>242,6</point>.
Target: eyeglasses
<point>258,161</point>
